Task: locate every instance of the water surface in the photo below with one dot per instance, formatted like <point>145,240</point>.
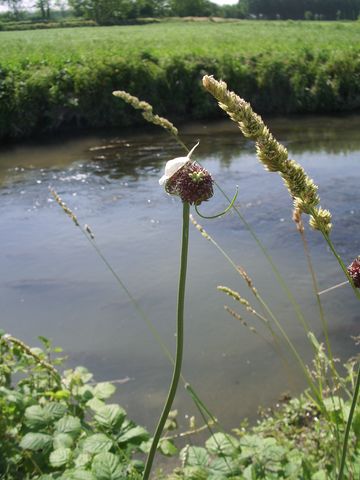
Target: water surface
<point>54,284</point>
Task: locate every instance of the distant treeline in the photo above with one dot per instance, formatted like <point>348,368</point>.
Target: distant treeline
<point>114,12</point>
<point>303,9</point>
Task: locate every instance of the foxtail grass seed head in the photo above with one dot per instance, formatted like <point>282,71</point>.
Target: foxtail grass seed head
<point>321,220</point>
<point>354,271</point>
<point>147,111</point>
<point>199,228</point>
<point>271,153</point>
<point>187,180</point>
<point>65,208</point>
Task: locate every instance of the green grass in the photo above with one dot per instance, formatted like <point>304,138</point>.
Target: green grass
<point>53,78</point>
<point>179,38</point>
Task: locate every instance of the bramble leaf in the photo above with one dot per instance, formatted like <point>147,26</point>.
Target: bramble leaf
<point>106,466</point>
<point>97,443</point>
<point>36,441</point>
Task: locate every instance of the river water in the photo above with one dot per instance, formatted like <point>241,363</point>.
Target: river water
<point>54,284</point>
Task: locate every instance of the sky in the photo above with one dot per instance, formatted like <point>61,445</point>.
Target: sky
<point>225,2</point>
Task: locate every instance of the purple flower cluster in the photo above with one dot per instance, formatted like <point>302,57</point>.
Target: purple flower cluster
<point>354,271</point>
<point>192,183</point>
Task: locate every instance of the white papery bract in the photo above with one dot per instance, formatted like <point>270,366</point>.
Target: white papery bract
<point>174,165</point>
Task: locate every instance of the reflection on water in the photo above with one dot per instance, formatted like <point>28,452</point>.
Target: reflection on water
<point>53,284</point>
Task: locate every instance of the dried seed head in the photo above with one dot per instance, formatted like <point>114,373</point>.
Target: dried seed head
<point>354,271</point>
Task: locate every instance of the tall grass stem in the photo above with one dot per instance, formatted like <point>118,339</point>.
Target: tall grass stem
<point>348,426</point>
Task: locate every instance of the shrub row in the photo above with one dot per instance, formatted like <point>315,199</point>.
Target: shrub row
<point>35,98</point>
<point>27,25</point>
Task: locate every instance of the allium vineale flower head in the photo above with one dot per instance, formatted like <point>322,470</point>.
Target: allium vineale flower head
<point>187,179</point>
<point>354,271</point>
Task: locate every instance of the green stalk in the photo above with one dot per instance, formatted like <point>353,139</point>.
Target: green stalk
<point>348,426</point>
<point>179,342</point>
<point>341,263</point>
<point>318,300</point>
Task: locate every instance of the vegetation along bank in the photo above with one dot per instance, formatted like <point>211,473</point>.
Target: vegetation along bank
<point>51,79</point>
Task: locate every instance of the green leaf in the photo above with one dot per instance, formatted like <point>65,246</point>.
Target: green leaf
<point>106,466</point>
<point>97,443</point>
<point>320,475</point>
<point>63,440</point>
<point>145,446</point>
<point>271,452</point>
<point>104,390</point>
<point>356,425</point>
<point>294,465</point>
<point>68,424</point>
<point>95,404</point>
<point>221,467</point>
<point>36,441</point>
<point>167,448</point>
<point>110,416</point>
<point>221,444</point>
<point>250,473</point>
<point>195,473</point>
<point>134,435</point>
<point>195,456</point>
<point>137,465</point>
<point>60,457</point>
<point>79,475</point>
<point>86,392</point>
<point>12,396</point>
<point>36,417</point>
<point>45,341</point>
<point>83,460</point>
<point>55,410</point>
<point>333,404</point>
<point>83,374</point>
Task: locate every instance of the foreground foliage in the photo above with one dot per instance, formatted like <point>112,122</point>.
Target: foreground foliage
<point>56,78</point>
<point>293,441</point>
<point>68,431</point>
<point>51,429</point>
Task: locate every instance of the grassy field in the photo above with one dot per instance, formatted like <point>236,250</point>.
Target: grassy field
<point>204,39</point>
<point>279,66</point>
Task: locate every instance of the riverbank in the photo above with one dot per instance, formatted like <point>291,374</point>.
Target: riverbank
<point>65,78</point>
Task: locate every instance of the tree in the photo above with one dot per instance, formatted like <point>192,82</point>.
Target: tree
<point>105,12</point>
<point>14,6</point>
<point>80,7</point>
<point>152,8</point>
<point>299,9</point>
<point>44,7</point>
<point>192,8</point>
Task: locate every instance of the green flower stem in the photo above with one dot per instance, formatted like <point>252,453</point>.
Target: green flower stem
<point>348,426</point>
<point>179,342</point>
<point>341,263</point>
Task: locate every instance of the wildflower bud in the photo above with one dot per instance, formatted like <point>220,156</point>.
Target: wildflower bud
<point>354,271</point>
<point>188,180</point>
